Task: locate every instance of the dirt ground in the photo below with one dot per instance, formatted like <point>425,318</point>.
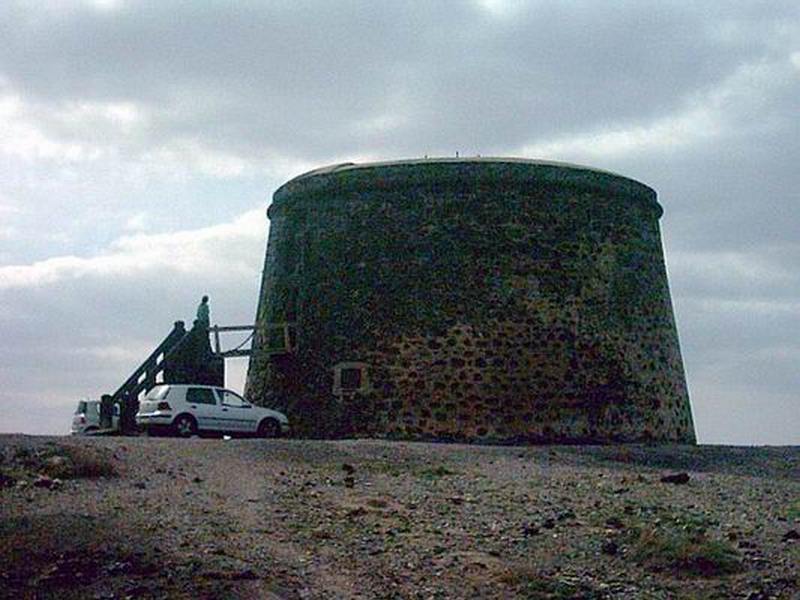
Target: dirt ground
<point>210,518</point>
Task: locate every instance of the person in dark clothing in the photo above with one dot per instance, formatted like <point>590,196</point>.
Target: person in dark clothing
<point>203,313</point>
<point>106,411</point>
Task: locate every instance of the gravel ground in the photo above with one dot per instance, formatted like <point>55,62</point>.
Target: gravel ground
<point>210,518</point>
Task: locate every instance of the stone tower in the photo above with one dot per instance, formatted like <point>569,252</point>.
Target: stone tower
<point>475,299</point>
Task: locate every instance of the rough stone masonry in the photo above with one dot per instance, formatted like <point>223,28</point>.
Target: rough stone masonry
<point>481,299</point>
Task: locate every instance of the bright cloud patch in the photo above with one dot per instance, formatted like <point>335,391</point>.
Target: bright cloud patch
<point>707,118</point>
<point>23,139</point>
<point>664,135</point>
<point>224,248</point>
<point>743,274</point>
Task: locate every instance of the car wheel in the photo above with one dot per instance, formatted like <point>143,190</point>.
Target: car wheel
<point>269,428</point>
<point>184,426</point>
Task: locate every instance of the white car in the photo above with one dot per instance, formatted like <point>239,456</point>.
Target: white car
<point>186,410</point>
<point>87,417</point>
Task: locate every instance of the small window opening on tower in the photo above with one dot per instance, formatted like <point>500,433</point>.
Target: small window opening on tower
<point>350,377</point>
<point>280,338</point>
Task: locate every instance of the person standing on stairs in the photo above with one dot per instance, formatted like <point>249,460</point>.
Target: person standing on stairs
<point>203,313</point>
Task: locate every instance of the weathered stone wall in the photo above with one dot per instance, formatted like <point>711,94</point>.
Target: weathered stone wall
<point>490,299</point>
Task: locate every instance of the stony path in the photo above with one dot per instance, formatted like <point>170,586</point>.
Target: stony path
<point>206,518</point>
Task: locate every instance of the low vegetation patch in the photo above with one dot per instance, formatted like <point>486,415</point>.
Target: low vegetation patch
<point>85,462</point>
<point>684,545</point>
<point>793,513</point>
<point>387,468</point>
<point>531,585</point>
<point>66,462</point>
<point>436,472</point>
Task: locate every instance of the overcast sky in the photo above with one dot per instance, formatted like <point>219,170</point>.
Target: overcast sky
<point>140,143</point>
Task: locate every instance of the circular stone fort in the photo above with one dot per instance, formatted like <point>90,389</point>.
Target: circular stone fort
<point>480,299</point>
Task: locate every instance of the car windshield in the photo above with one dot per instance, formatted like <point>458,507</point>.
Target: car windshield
<point>81,408</point>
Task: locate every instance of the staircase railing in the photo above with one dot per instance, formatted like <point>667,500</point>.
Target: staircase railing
<point>143,379</point>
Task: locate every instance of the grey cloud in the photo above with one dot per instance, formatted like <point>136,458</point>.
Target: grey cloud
<point>298,79</point>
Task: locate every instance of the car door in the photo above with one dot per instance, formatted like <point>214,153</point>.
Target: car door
<point>202,404</point>
<point>237,412</point>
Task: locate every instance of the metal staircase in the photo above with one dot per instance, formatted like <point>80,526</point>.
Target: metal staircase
<point>143,379</point>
